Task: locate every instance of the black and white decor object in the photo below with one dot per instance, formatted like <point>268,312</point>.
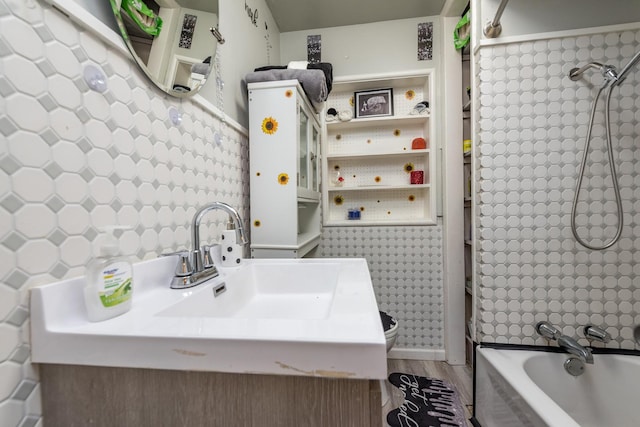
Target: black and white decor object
<point>230,250</point>
<point>425,41</point>
<point>429,402</point>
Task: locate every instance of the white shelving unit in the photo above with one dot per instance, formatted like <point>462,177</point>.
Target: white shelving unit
<point>374,156</point>
<point>284,135</point>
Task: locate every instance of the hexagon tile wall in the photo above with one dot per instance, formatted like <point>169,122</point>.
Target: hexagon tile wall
<point>73,160</point>
<point>532,123</point>
<point>406,268</point>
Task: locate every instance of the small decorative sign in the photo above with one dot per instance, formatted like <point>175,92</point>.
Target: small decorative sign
<point>373,103</point>
<point>188,28</point>
<point>314,49</point>
<point>425,41</point>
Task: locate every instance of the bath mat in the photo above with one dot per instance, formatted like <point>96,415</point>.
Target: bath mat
<point>428,402</point>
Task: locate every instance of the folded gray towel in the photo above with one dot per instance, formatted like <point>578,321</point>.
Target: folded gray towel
<point>312,81</point>
<point>201,68</point>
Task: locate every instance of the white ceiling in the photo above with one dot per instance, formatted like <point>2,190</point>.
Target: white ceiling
<point>295,15</point>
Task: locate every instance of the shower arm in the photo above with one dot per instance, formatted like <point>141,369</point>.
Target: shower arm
<point>492,29</point>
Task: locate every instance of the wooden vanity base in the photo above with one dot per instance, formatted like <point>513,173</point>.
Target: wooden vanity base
<point>83,396</point>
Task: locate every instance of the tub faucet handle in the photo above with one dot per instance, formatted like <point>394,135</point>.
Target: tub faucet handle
<point>594,333</point>
<point>547,330</point>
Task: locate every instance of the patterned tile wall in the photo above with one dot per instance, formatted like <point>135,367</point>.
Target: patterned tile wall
<point>406,268</point>
<point>532,123</point>
<point>73,160</point>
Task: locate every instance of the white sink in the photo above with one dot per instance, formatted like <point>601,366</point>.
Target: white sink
<point>314,317</point>
<point>277,290</point>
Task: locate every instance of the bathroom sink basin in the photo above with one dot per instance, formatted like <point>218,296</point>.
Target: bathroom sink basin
<point>276,290</point>
<point>315,317</point>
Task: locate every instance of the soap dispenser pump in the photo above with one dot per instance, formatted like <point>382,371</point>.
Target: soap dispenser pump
<point>231,251</point>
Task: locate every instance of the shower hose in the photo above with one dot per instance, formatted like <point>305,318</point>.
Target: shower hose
<point>612,166</point>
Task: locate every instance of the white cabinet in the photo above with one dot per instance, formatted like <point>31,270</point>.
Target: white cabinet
<point>368,161</point>
<point>284,151</point>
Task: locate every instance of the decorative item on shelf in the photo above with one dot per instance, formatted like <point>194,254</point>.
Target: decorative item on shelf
<point>338,200</point>
<point>396,132</point>
<point>373,103</point>
<point>420,108</point>
<point>410,94</point>
<point>408,167</point>
<point>332,115</point>
<point>353,214</point>
<point>418,144</point>
<point>345,115</point>
<point>337,180</point>
<point>417,177</point>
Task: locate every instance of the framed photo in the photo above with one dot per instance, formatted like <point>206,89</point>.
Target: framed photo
<point>373,103</point>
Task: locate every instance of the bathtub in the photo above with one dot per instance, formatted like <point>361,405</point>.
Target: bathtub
<point>518,388</point>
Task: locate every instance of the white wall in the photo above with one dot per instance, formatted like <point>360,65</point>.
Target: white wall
<point>531,17</point>
<point>379,47</point>
<point>244,50</point>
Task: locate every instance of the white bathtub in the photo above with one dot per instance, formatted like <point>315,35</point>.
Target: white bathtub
<point>531,388</point>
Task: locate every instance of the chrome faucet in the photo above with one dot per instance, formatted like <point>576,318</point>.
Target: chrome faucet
<point>568,344</point>
<point>571,346</point>
<point>201,255</point>
<point>196,266</point>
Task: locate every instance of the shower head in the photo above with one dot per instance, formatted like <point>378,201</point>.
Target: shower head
<point>608,72</point>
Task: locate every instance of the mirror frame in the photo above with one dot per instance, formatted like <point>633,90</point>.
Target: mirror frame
<point>216,38</point>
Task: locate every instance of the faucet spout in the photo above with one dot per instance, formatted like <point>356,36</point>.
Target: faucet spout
<point>571,346</point>
<point>195,229</point>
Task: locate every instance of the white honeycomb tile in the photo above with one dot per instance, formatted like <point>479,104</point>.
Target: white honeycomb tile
<point>32,185</point>
<point>102,216</point>
<point>22,38</point>
<point>71,187</point>
<point>73,219</point>
<point>37,256</point>
<point>65,124</point>
<point>100,162</point>
<point>69,156</point>
<point>63,60</point>
<point>64,92</point>
<point>24,75</point>
<point>28,149</point>
<point>75,251</point>
<point>35,221</point>
<point>8,296</point>
<point>102,190</point>
<point>90,43</point>
<point>98,108</point>
<point>11,411</point>
<point>27,113</point>
<point>10,338</point>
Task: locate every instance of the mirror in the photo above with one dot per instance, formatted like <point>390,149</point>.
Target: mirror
<point>173,41</point>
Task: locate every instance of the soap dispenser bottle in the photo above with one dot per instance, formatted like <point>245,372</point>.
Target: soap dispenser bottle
<point>109,280</point>
<point>230,250</point>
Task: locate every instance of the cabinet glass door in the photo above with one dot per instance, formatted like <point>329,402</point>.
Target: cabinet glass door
<point>314,156</point>
<point>303,150</point>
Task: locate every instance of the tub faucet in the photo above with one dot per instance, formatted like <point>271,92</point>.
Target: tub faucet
<point>568,344</point>
<point>594,333</point>
<point>571,346</point>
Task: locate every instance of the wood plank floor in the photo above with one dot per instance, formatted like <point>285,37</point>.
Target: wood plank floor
<point>459,376</point>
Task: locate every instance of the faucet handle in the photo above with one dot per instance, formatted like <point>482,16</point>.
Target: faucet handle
<point>207,261</point>
<point>594,333</point>
<point>184,268</point>
<point>547,330</point>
